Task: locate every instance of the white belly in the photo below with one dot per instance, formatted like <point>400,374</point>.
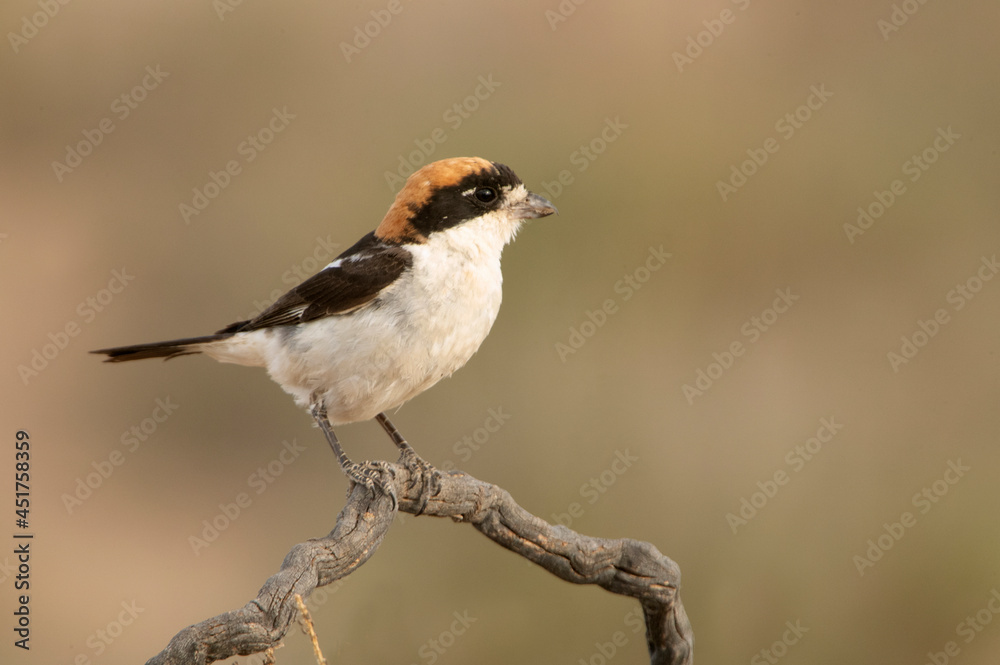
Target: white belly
<point>376,358</point>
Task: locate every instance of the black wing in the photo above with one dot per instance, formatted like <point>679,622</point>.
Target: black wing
<point>361,273</point>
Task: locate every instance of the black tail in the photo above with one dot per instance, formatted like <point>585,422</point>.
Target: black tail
<point>165,350</point>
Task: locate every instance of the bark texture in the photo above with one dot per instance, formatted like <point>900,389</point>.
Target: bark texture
<point>622,566</point>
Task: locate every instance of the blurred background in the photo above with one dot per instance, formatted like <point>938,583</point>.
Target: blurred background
<point>761,331</point>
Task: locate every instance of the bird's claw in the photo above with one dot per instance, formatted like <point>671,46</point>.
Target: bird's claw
<point>422,472</point>
<point>370,474</point>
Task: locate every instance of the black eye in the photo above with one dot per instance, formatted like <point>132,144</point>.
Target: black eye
<point>486,195</point>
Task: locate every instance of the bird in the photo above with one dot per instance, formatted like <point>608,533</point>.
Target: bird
<point>404,307</point>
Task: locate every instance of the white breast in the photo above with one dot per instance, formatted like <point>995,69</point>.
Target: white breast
<point>420,330</point>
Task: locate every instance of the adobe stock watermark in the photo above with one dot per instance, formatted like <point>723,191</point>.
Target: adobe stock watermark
<point>898,17</point>
<point>913,168</point>
<point>131,440</point>
<point>604,652</point>
<point>470,444</point>
<point>596,487</point>
<point>626,288</point>
<point>104,637</point>
<point>927,329</point>
<point>796,460</point>
<point>122,107</point>
<point>698,42</point>
<point>924,501</point>
<point>968,629</point>
<point>224,7</point>
<point>786,126</point>
<point>453,117</point>
<point>31,25</point>
<point>86,311</point>
<point>433,649</point>
<point>258,481</point>
<point>364,34</point>
<point>780,647</point>
<point>249,149</point>
<point>561,12</point>
<point>585,155</point>
<point>752,329</point>
<point>8,570</point>
<point>321,595</point>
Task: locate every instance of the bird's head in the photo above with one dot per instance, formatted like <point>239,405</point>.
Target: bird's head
<point>450,193</point>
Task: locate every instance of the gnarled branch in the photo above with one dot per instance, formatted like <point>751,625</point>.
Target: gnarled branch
<point>623,566</point>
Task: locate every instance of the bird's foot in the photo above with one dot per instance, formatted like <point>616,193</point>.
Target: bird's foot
<point>421,471</point>
<point>370,474</point>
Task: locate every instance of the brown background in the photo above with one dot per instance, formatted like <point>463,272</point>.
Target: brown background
<point>323,177</point>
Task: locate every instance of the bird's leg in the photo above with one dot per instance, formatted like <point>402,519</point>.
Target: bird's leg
<point>366,474</point>
<point>420,469</point>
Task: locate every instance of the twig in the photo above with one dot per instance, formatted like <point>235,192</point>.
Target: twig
<point>622,566</point>
<point>307,627</point>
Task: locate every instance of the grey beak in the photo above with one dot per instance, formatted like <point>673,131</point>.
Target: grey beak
<point>534,206</point>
